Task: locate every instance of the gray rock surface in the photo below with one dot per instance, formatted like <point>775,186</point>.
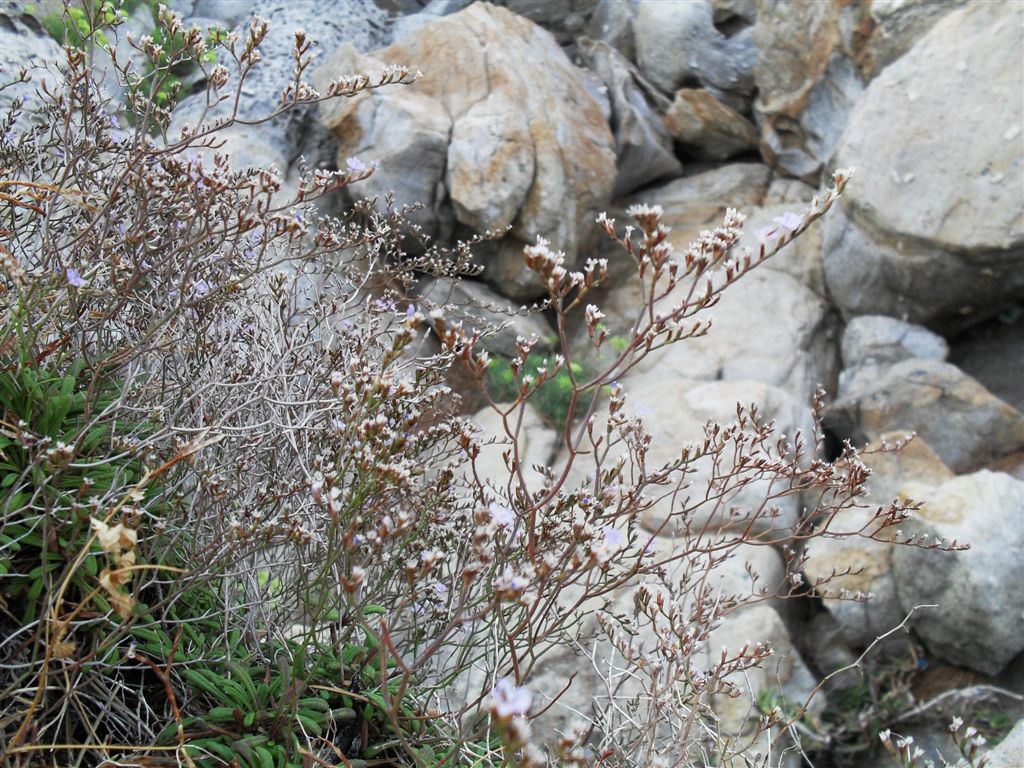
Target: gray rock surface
<point>979,621</point>
<point>26,45</point>
<point>512,159</point>
<point>875,339</point>
<point>674,411</point>
<point>908,241</point>
<point>707,127</point>
<point>965,424</point>
<point>807,82</point>
<point>677,43</point>
<point>476,303</point>
<point>643,146</point>
<point>993,353</point>
<point>863,565</point>
<point>871,343</point>
<point>898,24</point>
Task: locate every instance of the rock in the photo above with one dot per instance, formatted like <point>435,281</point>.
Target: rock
<point>726,11</point>
<point>964,423</point>
<point>992,354</point>
<point>539,176</point>
<point>869,562</point>
<point>785,190</point>
<point>784,674</point>
<point>26,45</point>
<point>677,43</point>
<point>479,306</point>
<point>807,82</point>
<point>802,260</point>
<point>643,147</point>
<point>896,25</point>
<point>875,340</point>
<point>979,621</point>
<point>1009,753</point>
<point>750,339</point>
<point>297,132</point>
<point>871,343</point>
<point>707,127</point>
<point>612,22</point>
<point>403,26</point>
<point>565,19</point>
<point>908,241</point>
<point>536,445</point>
<point>674,411</point>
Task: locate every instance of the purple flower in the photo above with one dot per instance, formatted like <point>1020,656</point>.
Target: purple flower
<point>764,234</point>
<point>508,701</point>
<point>115,123</point>
<point>75,278</point>
<point>789,221</point>
<point>501,516</point>
<point>355,165</point>
<point>614,538</point>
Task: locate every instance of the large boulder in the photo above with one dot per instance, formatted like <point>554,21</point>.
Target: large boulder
<point>846,569</point>
<point>896,25</point>
<point>677,43</point>
<point>978,621</point>
<point>966,425</point>
<point>479,308</point>
<point>528,146</point>
<point>807,80</point>
<point>26,45</point>
<point>675,411</point>
<point>932,229</point>
<point>643,146</point>
<point>871,343</point>
<point>708,128</point>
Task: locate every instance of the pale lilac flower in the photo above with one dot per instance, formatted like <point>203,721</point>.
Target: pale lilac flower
<point>355,165</point>
<point>614,538</point>
<point>75,278</point>
<point>789,221</point>
<point>508,701</point>
<point>439,587</point>
<point>115,123</point>
<point>501,516</point>
<point>764,234</point>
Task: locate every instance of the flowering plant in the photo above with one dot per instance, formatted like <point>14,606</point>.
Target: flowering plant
<point>241,520</point>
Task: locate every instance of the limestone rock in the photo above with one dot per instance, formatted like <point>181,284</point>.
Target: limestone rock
<point>643,147</point>
<point>612,22</point>
<point>675,411</point>
<point>908,473</point>
<point>677,42</point>
<point>550,162</point>
<point>908,241</point>
<point>707,127</point>
<point>482,309</point>
<point>874,339</point>
<point>963,422</point>
<point>898,24</point>
<point>751,339</point>
<point>536,445</point>
<point>26,44</point>
<point>979,621</point>
<point>874,342</point>
<point>807,81</point>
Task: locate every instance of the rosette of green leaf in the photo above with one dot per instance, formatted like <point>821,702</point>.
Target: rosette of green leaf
<point>52,426</point>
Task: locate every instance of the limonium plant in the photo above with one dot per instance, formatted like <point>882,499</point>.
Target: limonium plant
<point>241,520</point>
